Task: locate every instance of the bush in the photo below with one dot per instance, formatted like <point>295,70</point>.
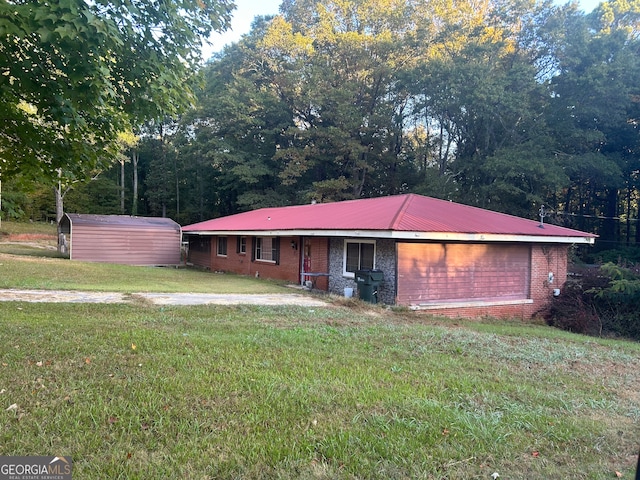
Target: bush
<point>574,310</point>
<point>599,301</point>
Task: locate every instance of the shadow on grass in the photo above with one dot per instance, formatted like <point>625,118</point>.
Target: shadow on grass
<point>21,249</point>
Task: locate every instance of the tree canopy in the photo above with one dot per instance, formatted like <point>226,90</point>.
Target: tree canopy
<point>74,73</point>
<point>504,104</point>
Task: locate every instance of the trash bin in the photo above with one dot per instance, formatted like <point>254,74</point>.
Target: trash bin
<point>368,282</point>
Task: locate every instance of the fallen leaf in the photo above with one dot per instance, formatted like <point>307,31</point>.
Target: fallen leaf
<point>445,432</point>
<point>618,474</point>
<point>3,390</point>
<point>128,455</point>
<point>133,346</point>
<point>535,454</point>
<point>13,406</point>
<point>112,420</point>
<point>39,364</point>
<point>495,475</point>
<point>87,360</point>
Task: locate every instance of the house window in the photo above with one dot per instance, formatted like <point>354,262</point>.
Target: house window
<point>266,249</point>
<point>241,245</point>
<point>200,244</point>
<point>222,246</point>
<point>358,255</point>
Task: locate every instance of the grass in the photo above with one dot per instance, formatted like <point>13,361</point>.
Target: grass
<point>345,392</point>
<point>253,392</point>
<point>28,260</point>
<point>18,271</point>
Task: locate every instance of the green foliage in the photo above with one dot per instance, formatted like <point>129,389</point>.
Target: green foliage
<point>98,196</point>
<point>74,73</point>
<point>622,256</point>
<point>505,105</point>
<point>600,301</point>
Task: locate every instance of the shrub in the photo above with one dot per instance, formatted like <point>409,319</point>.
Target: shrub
<point>574,310</point>
<point>599,301</point>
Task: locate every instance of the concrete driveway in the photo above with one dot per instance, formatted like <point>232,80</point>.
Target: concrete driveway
<point>73,296</point>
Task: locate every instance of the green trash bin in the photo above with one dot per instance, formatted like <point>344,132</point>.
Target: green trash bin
<point>368,282</point>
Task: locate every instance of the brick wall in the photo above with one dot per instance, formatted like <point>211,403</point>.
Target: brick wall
<point>287,269</point>
<point>545,259</point>
<point>327,255</point>
<point>522,311</point>
<point>200,251</point>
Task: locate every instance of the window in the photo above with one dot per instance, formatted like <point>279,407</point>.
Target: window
<point>222,246</point>
<point>266,249</point>
<point>200,244</point>
<point>241,246</point>
<point>358,255</point>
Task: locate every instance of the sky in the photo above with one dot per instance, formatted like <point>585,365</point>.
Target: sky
<point>246,10</point>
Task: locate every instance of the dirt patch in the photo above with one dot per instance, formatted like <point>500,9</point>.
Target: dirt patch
<point>28,237</point>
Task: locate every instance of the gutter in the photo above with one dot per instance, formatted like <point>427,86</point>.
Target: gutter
<point>400,235</point>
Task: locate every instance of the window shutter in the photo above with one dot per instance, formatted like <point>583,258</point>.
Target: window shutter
<point>237,244</point>
<point>276,250</point>
<point>253,249</point>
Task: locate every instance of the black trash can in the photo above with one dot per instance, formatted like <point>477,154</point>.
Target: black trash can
<point>368,282</point>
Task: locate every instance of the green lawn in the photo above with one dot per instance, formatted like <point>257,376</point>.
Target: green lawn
<point>19,271</point>
<point>29,262</point>
<point>253,392</point>
<point>349,391</point>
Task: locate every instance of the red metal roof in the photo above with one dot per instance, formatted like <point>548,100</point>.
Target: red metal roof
<point>399,213</point>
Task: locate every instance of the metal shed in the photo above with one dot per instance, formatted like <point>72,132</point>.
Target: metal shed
<point>122,239</point>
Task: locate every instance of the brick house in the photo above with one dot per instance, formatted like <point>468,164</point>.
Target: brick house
<point>435,255</point>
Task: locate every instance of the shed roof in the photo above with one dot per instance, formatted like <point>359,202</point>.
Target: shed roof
<point>78,219</point>
<point>399,216</point>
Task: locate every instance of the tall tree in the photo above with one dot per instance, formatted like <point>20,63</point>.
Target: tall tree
<point>74,73</point>
<point>595,114</point>
<point>479,99</point>
<point>334,64</point>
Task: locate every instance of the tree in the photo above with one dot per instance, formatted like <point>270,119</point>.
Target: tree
<point>73,73</point>
<point>334,64</point>
<point>479,102</point>
<point>594,114</point>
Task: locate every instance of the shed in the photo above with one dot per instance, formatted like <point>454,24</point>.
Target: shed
<point>122,239</point>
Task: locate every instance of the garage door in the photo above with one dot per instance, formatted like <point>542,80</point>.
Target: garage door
<point>441,272</point>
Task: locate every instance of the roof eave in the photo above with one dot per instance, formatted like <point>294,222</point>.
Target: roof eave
<point>407,235</point>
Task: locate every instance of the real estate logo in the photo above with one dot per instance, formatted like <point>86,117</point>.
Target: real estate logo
<point>35,468</point>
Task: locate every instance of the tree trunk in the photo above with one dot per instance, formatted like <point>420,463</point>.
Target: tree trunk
<point>175,170</point>
<point>63,246</point>
<point>134,201</point>
<point>122,187</point>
